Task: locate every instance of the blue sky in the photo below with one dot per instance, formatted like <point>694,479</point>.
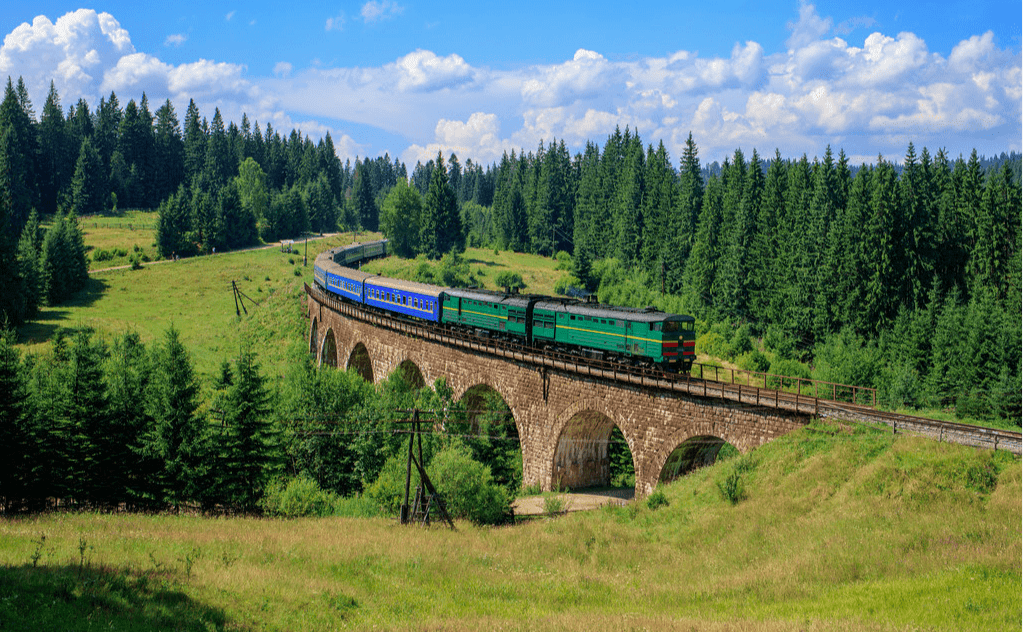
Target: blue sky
<point>413,79</point>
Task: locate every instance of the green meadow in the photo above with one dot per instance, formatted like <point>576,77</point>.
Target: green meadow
<point>193,295</point>
<point>833,528</point>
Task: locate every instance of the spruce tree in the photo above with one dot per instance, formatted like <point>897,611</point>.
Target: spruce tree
<point>15,416</point>
<point>178,437</point>
<point>89,187</point>
<point>250,455</point>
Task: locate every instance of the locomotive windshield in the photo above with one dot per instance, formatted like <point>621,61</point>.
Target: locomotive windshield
<point>671,326</point>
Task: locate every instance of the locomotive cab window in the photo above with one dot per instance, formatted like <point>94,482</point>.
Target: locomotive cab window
<point>671,326</point>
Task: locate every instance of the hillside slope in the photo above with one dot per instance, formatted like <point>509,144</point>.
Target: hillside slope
<point>835,527</point>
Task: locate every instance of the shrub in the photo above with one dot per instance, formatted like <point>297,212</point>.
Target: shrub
<point>510,280</point>
<point>388,490</point>
<point>713,344</point>
<point>564,261</point>
<point>656,500</point>
<point>732,488</point>
<point>553,504</point>
<point>741,342</point>
<point>298,497</point>
<point>755,361</point>
<point>102,255</point>
<point>467,487</point>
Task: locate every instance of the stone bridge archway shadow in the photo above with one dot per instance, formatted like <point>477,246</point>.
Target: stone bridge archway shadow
<point>328,354</point>
<point>360,362</point>
<point>493,434</point>
<point>592,451</point>
<point>694,453</point>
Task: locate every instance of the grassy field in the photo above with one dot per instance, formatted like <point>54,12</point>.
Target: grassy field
<point>835,529</point>
<point>122,233</point>
<point>195,296</point>
<point>540,274</point>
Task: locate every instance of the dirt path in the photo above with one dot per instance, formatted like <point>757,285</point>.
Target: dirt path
<point>222,254</point>
<point>575,501</point>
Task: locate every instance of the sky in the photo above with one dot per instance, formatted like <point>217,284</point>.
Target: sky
<point>413,79</point>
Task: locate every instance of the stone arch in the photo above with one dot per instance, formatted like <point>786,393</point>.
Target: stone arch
<point>693,453</point>
<point>328,352</point>
<point>695,446</point>
<point>489,415</point>
<point>314,336</point>
<point>411,373</point>
<point>581,456</point>
<point>360,362</point>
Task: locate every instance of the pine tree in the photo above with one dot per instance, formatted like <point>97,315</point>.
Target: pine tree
<point>194,143</point>
<point>880,295</point>
<point>250,451</point>
<point>55,156</point>
<point>686,215</point>
<point>365,205</point>
<point>130,474</point>
<point>178,437</point>
<point>89,189</point>
<point>29,272</point>
<point>442,223</point>
<point>15,417</point>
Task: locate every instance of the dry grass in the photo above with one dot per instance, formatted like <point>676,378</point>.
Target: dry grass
<point>842,530</point>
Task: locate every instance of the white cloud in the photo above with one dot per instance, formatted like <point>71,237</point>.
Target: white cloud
<point>335,23</point>
<point>478,138</point>
<point>423,70</point>
<point>177,39</point>
<point>282,69</point>
<point>587,75</point>
<point>374,11</point>
<point>809,28</point>
<point>230,14</point>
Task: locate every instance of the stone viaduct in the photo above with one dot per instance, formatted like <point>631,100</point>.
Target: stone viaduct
<point>563,418</point>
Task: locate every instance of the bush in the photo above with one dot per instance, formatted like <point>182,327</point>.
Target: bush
<point>510,280</point>
<point>298,497</point>
<point>713,344</point>
<point>741,339</point>
<point>656,500</point>
<point>733,487</point>
<point>467,487</point>
<point>564,261</point>
<point>388,490</point>
<point>102,255</point>
<point>554,504</point>
<point>754,361</point>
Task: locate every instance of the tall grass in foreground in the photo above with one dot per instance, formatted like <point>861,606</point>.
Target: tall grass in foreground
<point>841,528</point>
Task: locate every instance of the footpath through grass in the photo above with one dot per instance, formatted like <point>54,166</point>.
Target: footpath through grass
<point>833,528</point>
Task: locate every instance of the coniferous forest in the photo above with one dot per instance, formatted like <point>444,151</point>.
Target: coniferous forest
<point>901,276</point>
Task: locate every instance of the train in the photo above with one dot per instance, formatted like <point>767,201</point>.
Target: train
<point>638,337</point>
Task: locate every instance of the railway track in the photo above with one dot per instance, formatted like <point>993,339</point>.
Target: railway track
<point>681,383</point>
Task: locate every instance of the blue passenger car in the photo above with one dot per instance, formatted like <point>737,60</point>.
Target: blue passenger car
<point>404,297</point>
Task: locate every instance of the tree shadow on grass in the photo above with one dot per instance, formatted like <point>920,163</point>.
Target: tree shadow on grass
<point>39,331</point>
<point>489,264</point>
<point>87,598</point>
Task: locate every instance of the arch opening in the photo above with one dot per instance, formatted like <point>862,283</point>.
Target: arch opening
<point>409,372</point>
<point>314,336</point>
<point>491,433</point>
<point>328,355</point>
<point>694,453</point>
<point>592,452</point>
<point>360,362</point>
